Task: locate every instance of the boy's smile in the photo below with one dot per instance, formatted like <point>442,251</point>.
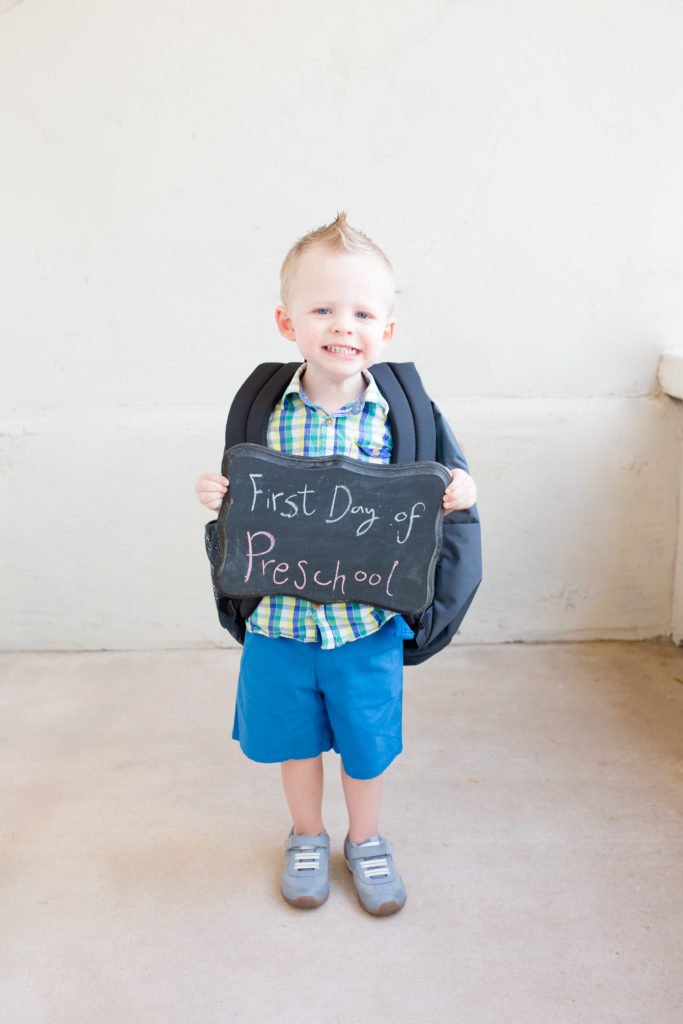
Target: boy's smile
<point>339,316</point>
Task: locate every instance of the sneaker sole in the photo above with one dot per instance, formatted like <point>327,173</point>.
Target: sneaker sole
<point>385,910</point>
<point>305,902</point>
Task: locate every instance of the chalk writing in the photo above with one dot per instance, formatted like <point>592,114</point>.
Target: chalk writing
<point>329,529</point>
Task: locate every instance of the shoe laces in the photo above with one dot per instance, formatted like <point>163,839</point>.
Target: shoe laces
<point>374,867</point>
<point>307,858</point>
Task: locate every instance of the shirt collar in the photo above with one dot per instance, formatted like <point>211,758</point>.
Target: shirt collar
<point>372,394</point>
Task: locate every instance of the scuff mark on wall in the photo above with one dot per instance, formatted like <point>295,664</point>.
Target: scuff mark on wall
<point>6,4</point>
<point>14,438</point>
<point>635,466</point>
<point>567,597</point>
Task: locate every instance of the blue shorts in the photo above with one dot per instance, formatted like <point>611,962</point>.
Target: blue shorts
<point>296,700</point>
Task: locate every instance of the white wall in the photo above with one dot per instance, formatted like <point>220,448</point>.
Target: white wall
<point>521,165</point>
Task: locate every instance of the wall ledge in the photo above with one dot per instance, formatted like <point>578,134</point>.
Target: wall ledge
<point>670,373</point>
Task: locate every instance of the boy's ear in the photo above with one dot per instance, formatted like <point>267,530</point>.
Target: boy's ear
<point>389,329</point>
<point>284,323</point>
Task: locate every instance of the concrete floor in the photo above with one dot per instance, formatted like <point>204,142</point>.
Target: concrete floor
<point>141,850</point>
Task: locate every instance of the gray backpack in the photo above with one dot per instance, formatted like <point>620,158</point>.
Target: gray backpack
<point>419,433</point>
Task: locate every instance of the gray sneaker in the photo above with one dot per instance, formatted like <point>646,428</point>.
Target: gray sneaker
<point>378,884</point>
<point>304,881</point>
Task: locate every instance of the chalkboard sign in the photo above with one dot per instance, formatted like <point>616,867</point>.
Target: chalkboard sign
<point>329,529</point>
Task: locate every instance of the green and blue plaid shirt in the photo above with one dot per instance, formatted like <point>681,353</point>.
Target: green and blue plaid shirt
<point>298,427</point>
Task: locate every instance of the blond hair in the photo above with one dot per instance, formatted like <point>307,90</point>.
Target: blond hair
<point>339,236</point>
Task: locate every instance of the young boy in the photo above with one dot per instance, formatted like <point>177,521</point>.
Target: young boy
<point>315,677</point>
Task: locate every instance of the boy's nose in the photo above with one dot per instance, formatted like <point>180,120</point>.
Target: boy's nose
<point>341,328</point>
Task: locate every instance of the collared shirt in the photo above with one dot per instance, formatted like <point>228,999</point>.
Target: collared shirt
<point>298,427</point>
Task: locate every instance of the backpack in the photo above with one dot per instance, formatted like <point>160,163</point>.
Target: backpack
<point>419,433</point>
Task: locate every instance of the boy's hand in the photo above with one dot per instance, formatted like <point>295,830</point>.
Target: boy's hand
<point>461,492</point>
<point>210,489</point>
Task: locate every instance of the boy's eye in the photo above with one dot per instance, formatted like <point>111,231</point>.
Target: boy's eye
<point>323,309</point>
<point>364,315</point>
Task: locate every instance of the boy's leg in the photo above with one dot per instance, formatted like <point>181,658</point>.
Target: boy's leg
<point>304,882</point>
<point>379,886</point>
<point>363,801</point>
<point>302,780</point>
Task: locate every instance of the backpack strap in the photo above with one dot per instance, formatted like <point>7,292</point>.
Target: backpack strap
<point>270,393</point>
<point>410,412</point>
<point>421,408</point>
<point>253,403</point>
<point>400,413</point>
<point>248,421</point>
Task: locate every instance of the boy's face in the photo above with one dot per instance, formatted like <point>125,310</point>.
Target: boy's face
<point>338,312</point>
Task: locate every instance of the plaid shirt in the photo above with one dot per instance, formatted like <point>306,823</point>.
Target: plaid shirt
<point>298,427</point>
